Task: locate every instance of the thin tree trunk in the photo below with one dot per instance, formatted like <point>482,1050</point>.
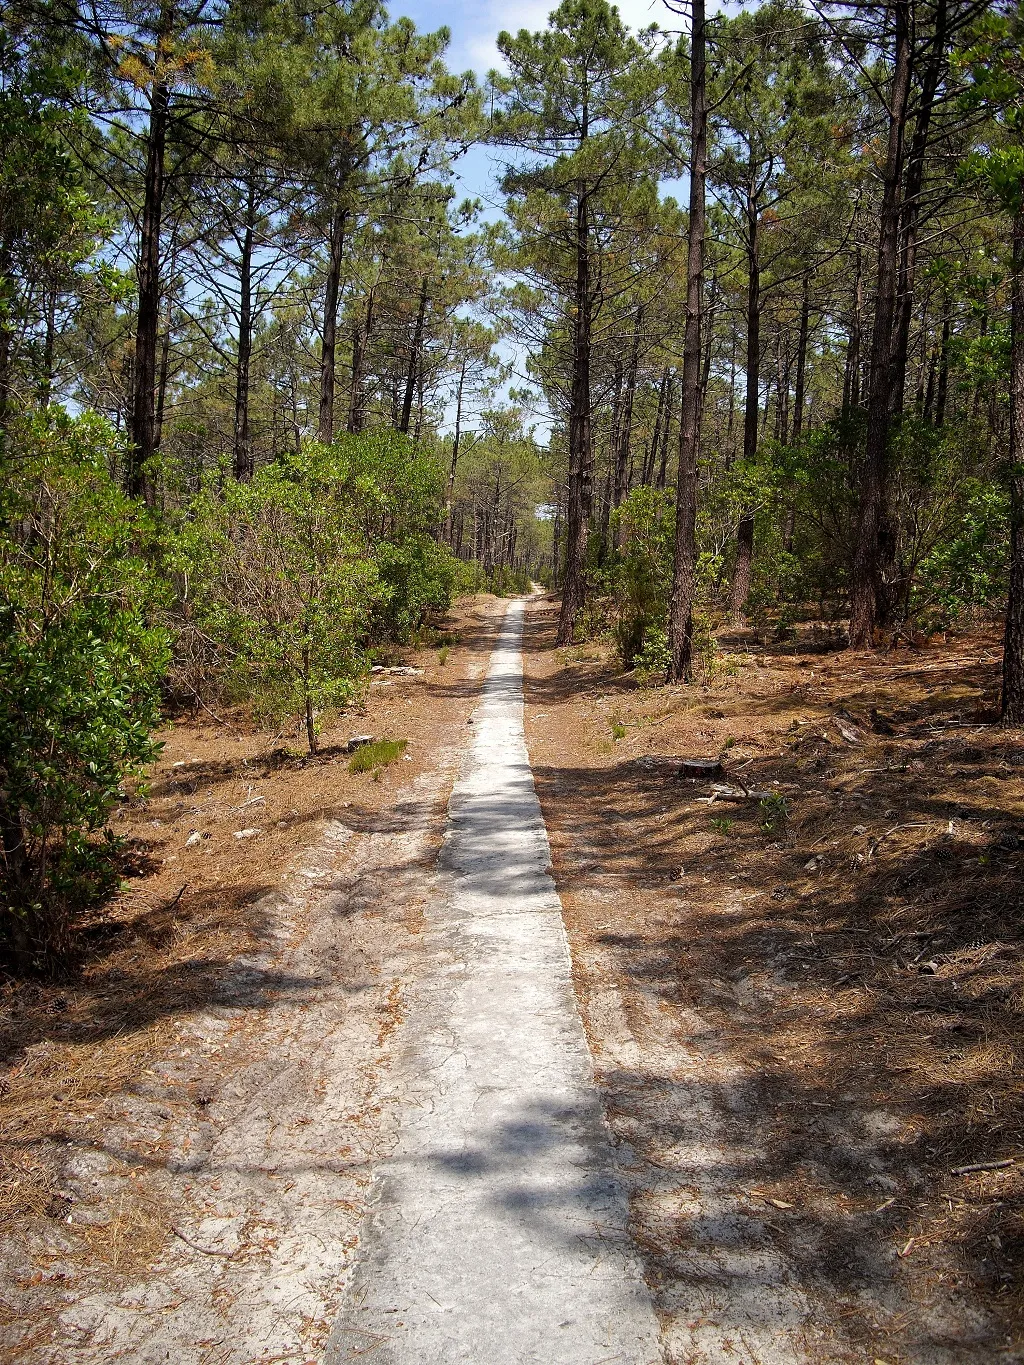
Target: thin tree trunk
<point>666,430</point>
<point>1013,643</point>
<point>243,445</point>
<point>851,378</point>
<point>360,344</point>
<point>652,452</point>
<point>865,589</point>
<point>165,367</point>
<point>745,530</point>
<point>684,558</point>
<point>612,455</point>
<point>456,440</point>
<point>579,493</point>
<point>782,364</point>
<point>943,380</point>
<point>911,207</point>
<point>414,359</point>
<point>801,360</point>
<point>626,417</point>
<point>143,431</point>
<point>329,339</point>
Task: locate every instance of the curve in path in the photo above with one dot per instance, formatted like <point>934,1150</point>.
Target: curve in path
<point>499,1236</point>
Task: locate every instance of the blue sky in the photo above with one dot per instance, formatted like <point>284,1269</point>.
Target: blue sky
<point>474,25</point>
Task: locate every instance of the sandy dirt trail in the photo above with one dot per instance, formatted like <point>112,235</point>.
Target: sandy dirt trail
<point>500,1234</point>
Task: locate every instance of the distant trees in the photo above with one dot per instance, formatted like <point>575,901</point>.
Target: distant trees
<point>577,106</point>
<point>231,244</point>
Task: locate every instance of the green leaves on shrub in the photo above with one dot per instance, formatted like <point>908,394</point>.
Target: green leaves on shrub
<point>80,665</point>
<point>285,583</point>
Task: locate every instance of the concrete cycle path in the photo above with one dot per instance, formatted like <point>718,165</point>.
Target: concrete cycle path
<point>499,1236</point>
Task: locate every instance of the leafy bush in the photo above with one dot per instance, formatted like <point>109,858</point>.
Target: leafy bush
<point>641,575</point>
<point>651,663</point>
<point>80,666</point>
<point>288,582</point>
<point>273,574</point>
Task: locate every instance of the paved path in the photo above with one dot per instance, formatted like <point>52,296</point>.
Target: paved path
<point>499,1235</point>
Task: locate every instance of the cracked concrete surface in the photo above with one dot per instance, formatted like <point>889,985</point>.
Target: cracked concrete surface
<point>499,1233</point>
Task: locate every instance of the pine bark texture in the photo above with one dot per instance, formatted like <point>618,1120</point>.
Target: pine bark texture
<point>684,563</point>
<point>143,424</point>
<point>580,486</point>
<point>1013,642</point>
<point>865,587</point>
<point>751,412</point>
<point>329,337</point>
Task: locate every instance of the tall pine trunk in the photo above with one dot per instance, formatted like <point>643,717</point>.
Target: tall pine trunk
<point>360,342</point>
<point>1013,643</point>
<point>243,457</point>
<point>454,465</point>
<point>652,452</point>
<point>666,431</point>
<point>620,489</point>
<point>865,586</point>
<point>579,491</point>
<point>414,359</point>
<point>684,559</point>
<point>143,423</point>
<point>745,530</point>
<point>329,336</point>
<point>911,206</point>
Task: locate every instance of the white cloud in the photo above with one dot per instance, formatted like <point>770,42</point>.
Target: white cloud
<point>474,29</point>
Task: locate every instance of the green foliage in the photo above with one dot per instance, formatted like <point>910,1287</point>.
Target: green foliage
<point>774,812</point>
<point>651,663</point>
<point>292,578</point>
<point>50,225</point>
<point>640,576</point>
<point>618,730</point>
<point>80,666</point>
<point>722,824</point>
<point>381,753</point>
<point>503,581</point>
<point>966,567</point>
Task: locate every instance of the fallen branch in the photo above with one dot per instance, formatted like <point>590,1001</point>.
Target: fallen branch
<point>175,899</point>
<point>984,1166</point>
<point>747,794</point>
<point>207,1251</point>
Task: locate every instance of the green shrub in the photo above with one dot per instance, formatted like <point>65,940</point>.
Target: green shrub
<point>651,663</point>
<point>774,811</point>
<point>291,583</point>
<point>640,577</point>
<point>80,666</point>
<point>381,753</point>
<point>273,573</point>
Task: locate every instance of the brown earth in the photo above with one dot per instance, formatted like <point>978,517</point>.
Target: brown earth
<point>187,1122</point>
<point>807,1007</point>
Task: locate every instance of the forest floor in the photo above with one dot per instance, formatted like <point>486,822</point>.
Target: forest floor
<point>807,1018</point>
<point>188,1128</point>
<point>806,1011</point>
